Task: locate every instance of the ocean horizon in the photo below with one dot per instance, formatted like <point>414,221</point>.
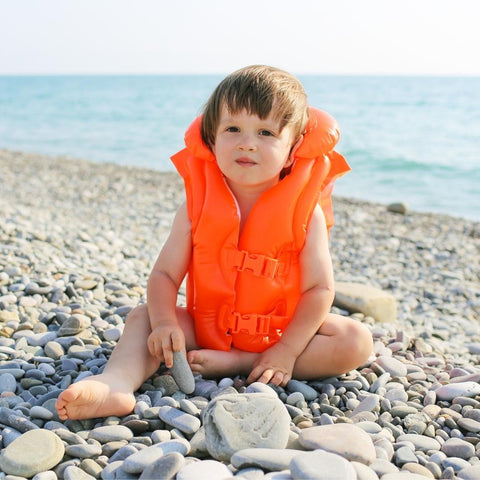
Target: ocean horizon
<point>408,139</point>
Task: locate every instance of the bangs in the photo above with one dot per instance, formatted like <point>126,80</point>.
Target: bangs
<point>260,91</point>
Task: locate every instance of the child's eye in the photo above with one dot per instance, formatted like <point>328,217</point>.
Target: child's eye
<point>266,133</point>
<point>232,129</point>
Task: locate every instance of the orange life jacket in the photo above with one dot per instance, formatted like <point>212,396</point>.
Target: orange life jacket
<point>242,290</point>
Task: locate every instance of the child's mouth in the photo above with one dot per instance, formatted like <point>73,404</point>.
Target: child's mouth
<point>245,162</point>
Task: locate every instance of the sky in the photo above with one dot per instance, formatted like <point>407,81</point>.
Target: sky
<point>408,37</point>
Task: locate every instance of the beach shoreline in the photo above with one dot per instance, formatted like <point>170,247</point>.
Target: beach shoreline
<point>78,237</point>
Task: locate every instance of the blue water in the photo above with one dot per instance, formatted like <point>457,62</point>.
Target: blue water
<point>411,139</point>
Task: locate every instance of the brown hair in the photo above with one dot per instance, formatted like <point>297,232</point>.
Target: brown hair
<point>258,89</point>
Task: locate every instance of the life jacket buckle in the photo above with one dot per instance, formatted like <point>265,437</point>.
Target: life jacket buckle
<point>252,323</point>
<point>257,264</point>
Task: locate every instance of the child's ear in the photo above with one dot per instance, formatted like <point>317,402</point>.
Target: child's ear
<point>294,148</point>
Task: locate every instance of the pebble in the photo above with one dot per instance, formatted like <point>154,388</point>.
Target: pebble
<point>264,458</point>
<point>456,447</point>
<point>320,465</point>
<point>207,469</point>
<point>359,447</point>
<point>8,383</point>
<point>111,433</point>
<point>392,366</point>
<point>70,274</point>
<point>31,453</point>
<point>165,467</point>
<point>306,390</point>
<point>185,422</point>
<point>182,373</point>
<point>460,389</point>
<point>140,460</point>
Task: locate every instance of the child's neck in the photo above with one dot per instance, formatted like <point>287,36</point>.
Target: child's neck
<point>246,199</point>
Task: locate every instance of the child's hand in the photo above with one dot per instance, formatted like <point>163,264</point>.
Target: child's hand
<point>274,365</point>
<point>164,340</point>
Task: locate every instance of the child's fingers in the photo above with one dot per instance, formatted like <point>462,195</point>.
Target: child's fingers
<point>260,374</point>
<point>152,346</point>
<point>177,341</point>
<point>167,351</point>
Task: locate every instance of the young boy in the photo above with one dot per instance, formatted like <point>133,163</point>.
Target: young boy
<point>254,242</point>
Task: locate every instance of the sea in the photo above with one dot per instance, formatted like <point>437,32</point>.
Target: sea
<point>408,139</point>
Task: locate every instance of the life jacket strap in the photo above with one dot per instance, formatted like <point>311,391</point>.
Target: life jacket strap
<point>257,264</point>
<point>250,323</point>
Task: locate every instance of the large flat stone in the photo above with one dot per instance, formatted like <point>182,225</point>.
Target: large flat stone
<point>251,420</point>
<point>371,301</point>
<point>33,452</point>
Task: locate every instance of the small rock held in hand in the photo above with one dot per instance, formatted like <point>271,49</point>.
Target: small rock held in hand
<point>182,373</point>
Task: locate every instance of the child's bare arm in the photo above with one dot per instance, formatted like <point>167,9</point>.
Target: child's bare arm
<point>276,364</point>
<point>165,280</point>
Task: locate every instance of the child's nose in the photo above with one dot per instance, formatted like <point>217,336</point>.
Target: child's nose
<point>247,143</point>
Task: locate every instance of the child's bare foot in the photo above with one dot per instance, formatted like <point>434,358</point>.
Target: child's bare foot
<point>95,396</point>
<point>217,363</point>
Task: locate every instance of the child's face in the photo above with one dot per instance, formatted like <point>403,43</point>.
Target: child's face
<point>251,151</point>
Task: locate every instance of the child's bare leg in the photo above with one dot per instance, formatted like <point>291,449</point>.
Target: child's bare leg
<point>111,392</point>
<point>340,345</point>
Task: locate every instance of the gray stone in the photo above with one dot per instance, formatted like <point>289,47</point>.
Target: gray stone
<point>321,465</point>
<point>456,447</point>
<point>366,405</point>
<point>33,452</point>
<point>41,412</point>
<point>165,467</point>
<point>364,472</point>
<point>265,458</point>
<point>182,373</point>
<point>176,418</point>
<point>122,453</point>
<point>397,207</point>
<point>250,420</point>
<point>393,366</point>
<point>48,475</point>
<point>455,463</point>
<point>75,473</point>
<point>208,469</point>
<point>405,455</point>
<point>15,420</point>
<point>383,467</point>
<point>469,424</point>
<point>204,388</point>
<point>84,450</point>
<point>54,350</point>
<point>258,387</point>
<point>8,383</point>
<point>140,460</point>
<point>371,301</point>
<point>460,389</point>
<point>250,473</point>
<point>402,476</point>
<point>332,438</point>
<point>9,435</point>
<point>469,473</point>
<point>111,433</point>
<point>306,390</point>
<point>420,442</point>
<point>73,325</point>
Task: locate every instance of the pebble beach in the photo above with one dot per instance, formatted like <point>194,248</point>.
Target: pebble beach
<point>77,242</point>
